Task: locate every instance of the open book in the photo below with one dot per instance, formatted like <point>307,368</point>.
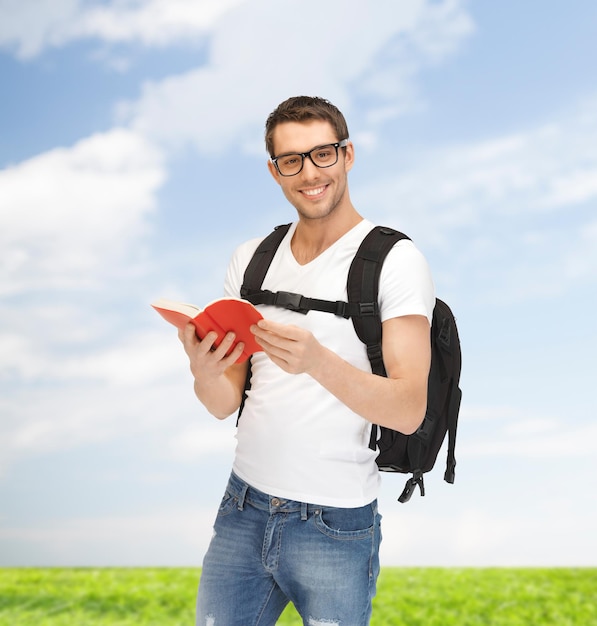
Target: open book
<point>222,316</point>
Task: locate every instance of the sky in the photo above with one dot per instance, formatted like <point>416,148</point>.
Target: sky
<point>131,166</point>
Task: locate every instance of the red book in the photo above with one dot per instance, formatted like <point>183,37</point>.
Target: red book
<point>222,316</point>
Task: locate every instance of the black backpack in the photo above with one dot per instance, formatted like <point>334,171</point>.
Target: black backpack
<point>410,454</point>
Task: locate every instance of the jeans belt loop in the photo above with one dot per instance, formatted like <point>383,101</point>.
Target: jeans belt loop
<point>241,497</point>
<point>304,516</point>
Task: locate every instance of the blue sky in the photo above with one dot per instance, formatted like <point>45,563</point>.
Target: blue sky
<point>132,164</point>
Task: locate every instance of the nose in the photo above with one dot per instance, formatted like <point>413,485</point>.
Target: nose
<point>309,168</point>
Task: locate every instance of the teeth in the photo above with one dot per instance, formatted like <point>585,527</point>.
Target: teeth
<point>313,192</point>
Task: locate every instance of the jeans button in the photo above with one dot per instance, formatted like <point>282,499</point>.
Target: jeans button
<point>275,502</point>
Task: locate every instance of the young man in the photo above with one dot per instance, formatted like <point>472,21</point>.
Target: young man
<point>299,520</point>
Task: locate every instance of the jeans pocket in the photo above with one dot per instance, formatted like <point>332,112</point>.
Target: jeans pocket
<point>227,504</point>
<point>340,523</point>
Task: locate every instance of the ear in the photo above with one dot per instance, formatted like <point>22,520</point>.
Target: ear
<point>349,156</point>
<point>273,171</point>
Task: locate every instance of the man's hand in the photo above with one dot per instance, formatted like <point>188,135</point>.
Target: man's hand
<point>293,349</point>
<point>206,360</point>
<point>219,380</point>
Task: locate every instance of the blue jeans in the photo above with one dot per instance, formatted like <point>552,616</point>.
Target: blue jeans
<point>267,551</point>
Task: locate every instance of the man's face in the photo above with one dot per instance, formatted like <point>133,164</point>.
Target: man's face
<point>315,192</point>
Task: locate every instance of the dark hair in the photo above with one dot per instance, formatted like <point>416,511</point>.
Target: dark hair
<point>303,109</point>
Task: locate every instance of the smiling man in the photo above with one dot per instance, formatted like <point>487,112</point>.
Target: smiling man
<point>299,520</point>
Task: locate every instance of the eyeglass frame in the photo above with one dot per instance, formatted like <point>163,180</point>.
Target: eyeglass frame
<point>338,144</point>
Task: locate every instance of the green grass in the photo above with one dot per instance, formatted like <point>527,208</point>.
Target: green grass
<point>406,597</point>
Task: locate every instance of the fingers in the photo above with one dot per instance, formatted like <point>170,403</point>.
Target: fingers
<point>290,347</point>
<point>271,344</point>
<point>287,331</point>
<point>205,355</point>
<point>188,335</point>
<point>281,340</point>
<point>220,352</point>
<point>231,359</point>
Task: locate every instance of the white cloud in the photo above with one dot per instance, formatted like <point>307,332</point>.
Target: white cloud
<point>226,102</point>
<point>363,57</point>
<point>69,214</point>
<point>29,28</point>
<point>153,22</point>
<point>173,537</point>
<point>143,359</point>
<point>140,384</point>
<point>530,173</point>
<point>47,418</point>
<point>203,438</point>
<point>138,359</point>
<point>510,432</point>
<point>571,442</point>
<point>499,536</point>
<point>427,35</point>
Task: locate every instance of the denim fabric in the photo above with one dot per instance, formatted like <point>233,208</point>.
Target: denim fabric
<point>267,551</point>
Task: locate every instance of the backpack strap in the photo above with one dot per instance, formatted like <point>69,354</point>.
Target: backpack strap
<point>363,287</point>
<point>448,341</point>
<point>455,399</point>
<point>299,303</point>
<point>261,260</point>
<point>253,278</point>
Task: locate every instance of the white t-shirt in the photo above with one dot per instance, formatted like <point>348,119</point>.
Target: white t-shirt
<point>296,440</point>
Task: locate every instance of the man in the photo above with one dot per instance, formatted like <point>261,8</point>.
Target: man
<point>299,519</point>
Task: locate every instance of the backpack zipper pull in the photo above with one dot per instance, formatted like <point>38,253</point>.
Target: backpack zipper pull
<point>411,483</point>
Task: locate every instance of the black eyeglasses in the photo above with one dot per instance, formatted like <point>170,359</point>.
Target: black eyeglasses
<point>322,156</point>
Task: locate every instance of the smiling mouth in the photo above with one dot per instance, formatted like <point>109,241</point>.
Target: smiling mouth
<point>314,192</point>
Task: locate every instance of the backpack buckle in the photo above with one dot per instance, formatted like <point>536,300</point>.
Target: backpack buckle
<point>376,359</point>
<point>368,308</point>
<point>342,309</point>
<point>374,352</point>
<point>291,301</point>
<point>411,484</point>
<point>444,335</point>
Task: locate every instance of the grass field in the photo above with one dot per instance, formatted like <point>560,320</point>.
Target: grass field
<point>406,597</point>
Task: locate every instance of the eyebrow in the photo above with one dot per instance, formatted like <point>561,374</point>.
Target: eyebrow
<point>320,145</point>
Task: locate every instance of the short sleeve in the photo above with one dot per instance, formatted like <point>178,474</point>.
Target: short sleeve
<point>406,286</point>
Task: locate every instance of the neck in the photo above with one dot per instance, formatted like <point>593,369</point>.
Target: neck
<point>314,236</point>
